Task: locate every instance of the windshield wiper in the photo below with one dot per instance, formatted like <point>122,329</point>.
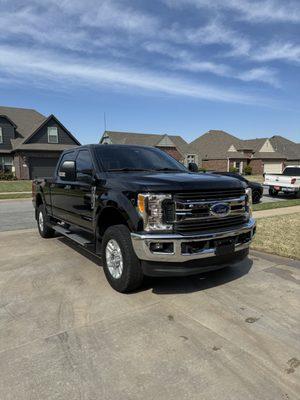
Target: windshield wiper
<point>128,169</point>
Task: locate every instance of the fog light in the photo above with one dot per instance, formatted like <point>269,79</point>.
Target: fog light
<point>157,247</point>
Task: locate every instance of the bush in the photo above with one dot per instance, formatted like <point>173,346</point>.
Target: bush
<point>202,169</point>
<point>248,170</point>
<point>233,169</point>
<point>7,176</point>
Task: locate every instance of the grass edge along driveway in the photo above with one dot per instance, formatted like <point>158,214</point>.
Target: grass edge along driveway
<point>15,186</point>
<point>8,196</point>
<point>276,204</point>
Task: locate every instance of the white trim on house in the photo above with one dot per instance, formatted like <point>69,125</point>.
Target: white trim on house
<point>232,148</point>
<point>267,147</point>
<point>239,165</point>
<point>105,140</point>
<point>165,142</point>
<point>191,158</point>
<point>52,134</point>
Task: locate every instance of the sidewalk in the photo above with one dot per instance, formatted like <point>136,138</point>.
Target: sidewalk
<point>15,192</point>
<point>276,211</point>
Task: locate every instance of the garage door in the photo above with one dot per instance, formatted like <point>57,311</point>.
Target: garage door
<point>42,167</point>
<point>272,167</point>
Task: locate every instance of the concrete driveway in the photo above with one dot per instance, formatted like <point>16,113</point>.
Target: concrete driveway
<point>266,198</point>
<point>16,214</point>
<point>65,334</point>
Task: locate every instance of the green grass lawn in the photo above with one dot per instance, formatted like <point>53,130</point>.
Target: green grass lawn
<point>276,204</point>
<point>255,178</point>
<point>15,196</point>
<point>15,186</point>
<point>278,235</point>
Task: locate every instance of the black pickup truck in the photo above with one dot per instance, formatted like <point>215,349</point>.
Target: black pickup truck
<point>144,213</point>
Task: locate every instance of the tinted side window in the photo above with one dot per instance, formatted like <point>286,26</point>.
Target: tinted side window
<point>289,171</point>
<point>84,162</point>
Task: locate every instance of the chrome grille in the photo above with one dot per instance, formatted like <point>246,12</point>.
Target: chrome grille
<point>192,210</point>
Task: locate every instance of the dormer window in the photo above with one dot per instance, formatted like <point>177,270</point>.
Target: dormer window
<point>1,135</point>
<point>52,134</point>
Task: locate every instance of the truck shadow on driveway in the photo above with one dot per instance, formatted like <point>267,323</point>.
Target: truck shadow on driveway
<point>178,285</point>
<point>207,280</point>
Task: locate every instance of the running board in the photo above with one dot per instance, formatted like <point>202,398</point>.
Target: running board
<point>73,236</point>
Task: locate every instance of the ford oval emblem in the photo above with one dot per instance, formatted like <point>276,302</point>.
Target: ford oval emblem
<point>220,209</point>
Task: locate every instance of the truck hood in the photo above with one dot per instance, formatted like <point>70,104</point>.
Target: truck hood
<point>171,182</point>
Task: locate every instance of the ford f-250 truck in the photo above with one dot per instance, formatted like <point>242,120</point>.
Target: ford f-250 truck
<point>288,182</point>
<point>144,213</point>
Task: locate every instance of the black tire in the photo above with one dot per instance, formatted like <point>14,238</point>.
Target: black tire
<point>255,196</point>
<point>273,192</point>
<point>44,229</point>
<point>131,276</point>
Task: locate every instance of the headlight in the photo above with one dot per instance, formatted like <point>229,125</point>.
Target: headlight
<point>150,207</point>
<point>249,201</point>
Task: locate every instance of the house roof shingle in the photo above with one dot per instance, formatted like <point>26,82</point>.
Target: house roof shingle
<point>146,139</point>
<point>286,147</point>
<point>214,144</point>
<point>28,121</point>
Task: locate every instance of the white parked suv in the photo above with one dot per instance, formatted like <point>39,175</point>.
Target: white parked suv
<point>287,182</point>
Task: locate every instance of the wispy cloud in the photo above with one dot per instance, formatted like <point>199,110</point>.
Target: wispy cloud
<point>185,61</point>
<point>264,74</point>
<point>287,52</point>
<point>212,33</point>
<point>120,37</point>
<point>44,65</point>
<point>251,10</point>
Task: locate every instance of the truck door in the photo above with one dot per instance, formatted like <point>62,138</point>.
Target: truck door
<point>62,188</point>
<point>83,193</point>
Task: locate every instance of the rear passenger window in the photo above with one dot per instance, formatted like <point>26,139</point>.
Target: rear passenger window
<point>84,164</point>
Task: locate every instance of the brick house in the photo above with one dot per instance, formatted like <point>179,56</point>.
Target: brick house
<point>176,146</point>
<point>31,143</point>
<point>219,151</point>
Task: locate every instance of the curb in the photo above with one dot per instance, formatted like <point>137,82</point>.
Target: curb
<point>19,199</point>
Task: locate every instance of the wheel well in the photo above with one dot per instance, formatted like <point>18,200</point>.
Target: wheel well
<point>110,216</point>
<point>38,200</point>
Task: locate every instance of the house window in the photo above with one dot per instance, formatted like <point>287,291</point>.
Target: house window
<point>239,166</point>
<point>191,158</point>
<point>6,164</point>
<point>1,135</point>
<point>52,134</point>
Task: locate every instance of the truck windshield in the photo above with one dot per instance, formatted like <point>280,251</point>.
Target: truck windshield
<point>289,171</point>
<point>134,158</point>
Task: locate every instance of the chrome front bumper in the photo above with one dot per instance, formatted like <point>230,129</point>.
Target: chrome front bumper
<point>141,243</point>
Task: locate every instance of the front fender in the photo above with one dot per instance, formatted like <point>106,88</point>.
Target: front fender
<point>121,203</point>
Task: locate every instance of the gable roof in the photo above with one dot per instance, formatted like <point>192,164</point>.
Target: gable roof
<point>215,144</point>
<point>28,122</point>
<point>44,123</point>
<point>9,120</point>
<point>286,147</point>
<point>252,144</point>
<point>146,139</point>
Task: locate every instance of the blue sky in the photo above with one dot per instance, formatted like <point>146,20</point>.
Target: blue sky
<point>166,66</point>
